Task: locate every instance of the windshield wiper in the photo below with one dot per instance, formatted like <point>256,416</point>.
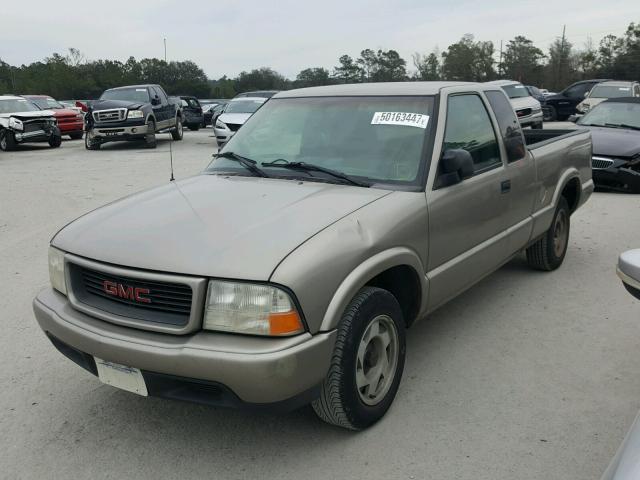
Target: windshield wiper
<point>245,162</point>
<point>310,167</point>
<point>622,125</point>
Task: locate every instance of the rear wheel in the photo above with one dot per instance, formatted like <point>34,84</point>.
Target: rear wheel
<point>549,251</point>
<point>194,127</point>
<point>7,140</point>
<point>55,141</point>
<point>367,362</point>
<point>178,131</point>
<point>150,137</point>
<point>76,135</point>
<point>552,114</point>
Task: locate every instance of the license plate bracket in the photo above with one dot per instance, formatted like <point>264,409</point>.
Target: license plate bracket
<point>121,376</point>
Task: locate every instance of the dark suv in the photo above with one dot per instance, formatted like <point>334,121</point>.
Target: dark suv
<point>192,112</point>
<point>562,105</point>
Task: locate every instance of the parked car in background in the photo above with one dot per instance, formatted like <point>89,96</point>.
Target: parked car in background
<point>217,111</point>
<point>192,112</point>
<point>611,89</point>
<point>22,121</point>
<point>209,109</point>
<point>528,109</point>
<point>562,105</point>
<point>70,121</point>
<point>136,112</point>
<point>625,465</point>
<point>258,93</point>
<point>536,93</point>
<point>615,133</point>
<point>290,270</point>
<point>235,113</point>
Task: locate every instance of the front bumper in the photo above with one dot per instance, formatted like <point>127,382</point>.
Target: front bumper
<point>532,119</point>
<point>117,133</point>
<point>223,135</point>
<point>255,371</point>
<point>37,135</point>
<point>617,178</point>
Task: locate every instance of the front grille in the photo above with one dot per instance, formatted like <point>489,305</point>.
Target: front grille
<point>599,163</point>
<point>115,115</point>
<point>523,112</point>
<point>161,302</point>
<point>36,125</point>
<point>233,126</point>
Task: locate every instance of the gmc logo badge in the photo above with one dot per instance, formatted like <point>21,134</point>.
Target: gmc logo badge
<point>124,291</point>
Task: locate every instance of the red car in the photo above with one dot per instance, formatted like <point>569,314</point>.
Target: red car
<point>70,122</point>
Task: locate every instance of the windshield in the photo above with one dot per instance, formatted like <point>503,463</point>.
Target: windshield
<point>610,91</point>
<point>379,139</point>
<point>17,105</point>
<point>46,103</point>
<point>137,95</point>
<point>515,91</point>
<point>243,106</point>
<point>613,113</point>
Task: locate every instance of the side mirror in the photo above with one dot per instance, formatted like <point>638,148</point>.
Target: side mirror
<point>155,100</point>
<point>455,166</point>
<point>586,94</point>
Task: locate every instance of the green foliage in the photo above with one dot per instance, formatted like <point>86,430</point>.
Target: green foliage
<point>428,66</point>
<point>263,78</point>
<point>313,77</point>
<point>522,61</point>
<point>469,60</point>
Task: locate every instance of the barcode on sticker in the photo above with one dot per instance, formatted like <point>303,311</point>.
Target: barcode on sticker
<point>400,118</point>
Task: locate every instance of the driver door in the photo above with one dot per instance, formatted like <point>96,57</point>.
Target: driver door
<point>467,220</point>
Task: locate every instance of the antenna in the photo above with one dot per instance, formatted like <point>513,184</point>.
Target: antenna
<point>172,179</point>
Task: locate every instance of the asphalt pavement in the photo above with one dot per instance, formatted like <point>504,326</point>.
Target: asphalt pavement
<point>528,375</point>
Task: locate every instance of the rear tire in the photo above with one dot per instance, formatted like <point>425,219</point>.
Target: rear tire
<point>194,127</point>
<point>178,131</point>
<point>150,137</point>
<point>76,136</point>
<point>367,362</point>
<point>55,141</point>
<point>549,251</point>
<point>553,114</point>
<point>7,140</point>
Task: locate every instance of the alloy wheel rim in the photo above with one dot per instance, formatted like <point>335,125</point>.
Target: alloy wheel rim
<point>560,233</point>
<point>377,360</point>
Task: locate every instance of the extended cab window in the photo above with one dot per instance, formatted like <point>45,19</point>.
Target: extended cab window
<point>469,128</point>
<point>578,91</point>
<point>509,126</point>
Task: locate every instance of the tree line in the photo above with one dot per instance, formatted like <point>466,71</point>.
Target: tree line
<point>73,76</point>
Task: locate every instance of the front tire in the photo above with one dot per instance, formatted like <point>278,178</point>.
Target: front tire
<point>367,362</point>
<point>549,251</point>
<point>553,114</point>
<point>55,141</point>
<point>7,140</point>
<point>194,127</point>
<point>89,144</point>
<point>178,131</point>
<point>150,137</point>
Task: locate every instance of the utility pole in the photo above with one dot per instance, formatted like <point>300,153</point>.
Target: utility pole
<point>500,72</point>
<point>165,50</point>
<point>562,56</point>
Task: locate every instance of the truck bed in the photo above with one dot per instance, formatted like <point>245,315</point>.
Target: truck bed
<point>539,138</point>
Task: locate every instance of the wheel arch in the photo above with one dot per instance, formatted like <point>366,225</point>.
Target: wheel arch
<point>568,185</point>
<point>396,270</point>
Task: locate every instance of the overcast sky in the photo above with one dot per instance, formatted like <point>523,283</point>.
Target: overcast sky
<point>230,36</point>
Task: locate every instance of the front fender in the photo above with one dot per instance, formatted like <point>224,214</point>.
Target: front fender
<point>367,270</point>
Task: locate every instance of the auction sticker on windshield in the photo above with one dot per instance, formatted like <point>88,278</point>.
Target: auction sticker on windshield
<point>400,118</point>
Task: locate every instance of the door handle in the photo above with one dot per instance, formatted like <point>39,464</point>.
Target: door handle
<point>505,186</point>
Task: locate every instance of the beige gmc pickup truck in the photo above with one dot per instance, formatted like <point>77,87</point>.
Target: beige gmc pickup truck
<point>291,269</point>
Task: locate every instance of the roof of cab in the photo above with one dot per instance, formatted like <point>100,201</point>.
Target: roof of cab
<point>10,97</point>
<point>374,89</point>
<point>502,83</point>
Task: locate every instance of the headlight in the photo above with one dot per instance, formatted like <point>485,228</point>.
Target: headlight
<point>135,114</point>
<point>15,124</point>
<point>219,124</point>
<point>250,308</point>
<point>56,270</point>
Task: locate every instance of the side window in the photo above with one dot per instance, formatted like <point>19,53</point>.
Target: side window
<point>578,91</point>
<point>509,126</point>
<point>469,128</point>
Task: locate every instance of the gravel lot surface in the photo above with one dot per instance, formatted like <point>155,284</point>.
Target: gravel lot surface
<point>528,375</point>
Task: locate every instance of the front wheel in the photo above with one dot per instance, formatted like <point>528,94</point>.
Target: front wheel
<point>7,140</point>
<point>367,362</point>
<point>150,137</point>
<point>178,131</point>
<point>55,141</point>
<point>90,144</point>
<point>552,114</point>
<point>549,251</point>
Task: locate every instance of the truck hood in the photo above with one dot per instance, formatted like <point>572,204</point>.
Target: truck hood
<point>234,118</point>
<point>524,102</point>
<point>615,142</point>
<point>228,227</point>
<point>109,104</point>
<point>38,114</point>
